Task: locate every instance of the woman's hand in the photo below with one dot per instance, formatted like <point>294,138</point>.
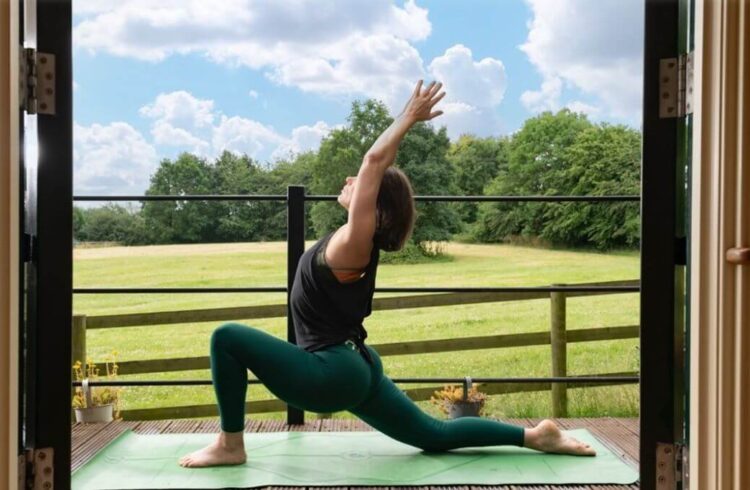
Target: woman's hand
<point>419,106</point>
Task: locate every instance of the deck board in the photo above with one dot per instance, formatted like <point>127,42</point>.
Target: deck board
<point>618,434</point>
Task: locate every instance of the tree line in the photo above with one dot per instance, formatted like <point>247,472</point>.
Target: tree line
<point>559,153</point>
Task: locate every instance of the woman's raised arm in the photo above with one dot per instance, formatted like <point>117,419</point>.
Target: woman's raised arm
<point>360,227</point>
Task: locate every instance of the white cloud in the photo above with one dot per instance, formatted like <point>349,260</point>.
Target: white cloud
<point>304,138</point>
<point>187,122</point>
<point>180,109</point>
<point>595,46</point>
<point>181,120</point>
<point>168,135</point>
<point>253,94</point>
<point>254,33</point>
<point>111,159</point>
<point>547,98</point>
<point>116,158</point>
<point>580,106</point>
<point>473,90</point>
<point>460,118</point>
<point>335,48</point>
<point>379,66</point>
<point>339,49</point>
<point>241,135</point>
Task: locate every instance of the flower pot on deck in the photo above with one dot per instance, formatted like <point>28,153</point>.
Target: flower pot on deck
<point>92,413</point>
<point>464,409</point>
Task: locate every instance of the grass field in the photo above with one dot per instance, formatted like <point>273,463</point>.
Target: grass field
<point>264,264</point>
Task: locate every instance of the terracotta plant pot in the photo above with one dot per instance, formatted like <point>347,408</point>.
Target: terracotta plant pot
<point>90,414</point>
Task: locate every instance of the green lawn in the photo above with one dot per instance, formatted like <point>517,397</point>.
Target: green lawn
<point>264,264</point>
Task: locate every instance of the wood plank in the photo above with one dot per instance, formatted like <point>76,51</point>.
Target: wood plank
<point>280,310</point>
<point>409,347</point>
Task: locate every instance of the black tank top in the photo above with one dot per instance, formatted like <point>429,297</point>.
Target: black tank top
<point>325,311</point>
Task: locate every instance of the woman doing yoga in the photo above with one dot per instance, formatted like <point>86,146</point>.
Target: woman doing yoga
<point>331,368</point>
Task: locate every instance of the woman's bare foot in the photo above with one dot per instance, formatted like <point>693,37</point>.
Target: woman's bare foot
<point>547,437</point>
<point>228,449</point>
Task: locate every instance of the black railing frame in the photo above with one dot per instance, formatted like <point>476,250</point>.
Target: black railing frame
<point>295,201</point>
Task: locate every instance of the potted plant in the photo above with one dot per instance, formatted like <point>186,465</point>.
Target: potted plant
<point>456,401</point>
<point>96,404</point>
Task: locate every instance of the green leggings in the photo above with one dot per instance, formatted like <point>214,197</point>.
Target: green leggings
<point>333,379</point>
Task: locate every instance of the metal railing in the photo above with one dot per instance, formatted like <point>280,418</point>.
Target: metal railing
<point>295,199</point>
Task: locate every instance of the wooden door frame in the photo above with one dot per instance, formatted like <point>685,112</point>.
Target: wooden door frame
<point>9,245</point>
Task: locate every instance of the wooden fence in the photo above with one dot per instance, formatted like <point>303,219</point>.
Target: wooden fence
<point>558,337</point>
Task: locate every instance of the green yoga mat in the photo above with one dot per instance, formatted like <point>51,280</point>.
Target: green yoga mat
<point>338,459</point>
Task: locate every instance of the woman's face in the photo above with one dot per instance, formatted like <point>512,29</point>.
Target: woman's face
<point>345,197</point>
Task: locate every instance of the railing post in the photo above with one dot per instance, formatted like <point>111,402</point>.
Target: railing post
<point>295,243</point>
<point>558,338</point>
<point>78,350</point>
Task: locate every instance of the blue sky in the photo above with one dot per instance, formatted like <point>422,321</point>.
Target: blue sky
<point>271,79</point>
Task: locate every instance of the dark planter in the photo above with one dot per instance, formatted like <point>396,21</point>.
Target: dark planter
<point>464,409</point>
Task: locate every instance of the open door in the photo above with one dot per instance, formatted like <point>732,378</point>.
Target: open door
<point>46,220</point>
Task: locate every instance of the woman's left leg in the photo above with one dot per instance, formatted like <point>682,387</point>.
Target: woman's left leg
<point>390,411</point>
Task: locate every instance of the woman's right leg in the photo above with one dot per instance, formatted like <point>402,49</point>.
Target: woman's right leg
<point>329,380</point>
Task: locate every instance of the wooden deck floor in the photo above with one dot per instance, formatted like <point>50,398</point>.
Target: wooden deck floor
<point>620,435</point>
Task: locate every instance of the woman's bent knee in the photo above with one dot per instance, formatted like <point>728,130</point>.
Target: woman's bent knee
<point>226,333</point>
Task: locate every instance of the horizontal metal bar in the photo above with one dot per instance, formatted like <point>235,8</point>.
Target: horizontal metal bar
<point>324,197</point>
<point>569,380</point>
<point>270,289</point>
<point>622,198</point>
<point>281,289</point>
<point>189,197</point>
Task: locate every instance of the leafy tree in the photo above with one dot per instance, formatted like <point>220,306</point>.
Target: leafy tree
<point>238,220</point>
<point>79,220</point>
<point>285,173</point>
<point>604,160</point>
<point>562,154</point>
<point>422,156</point>
<point>180,221</point>
<point>111,223</point>
<point>476,161</point>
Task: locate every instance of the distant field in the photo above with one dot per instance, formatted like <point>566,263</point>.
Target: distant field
<point>264,264</point>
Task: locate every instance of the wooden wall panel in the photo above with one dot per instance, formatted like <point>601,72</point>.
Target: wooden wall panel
<point>8,242</point>
<point>720,291</point>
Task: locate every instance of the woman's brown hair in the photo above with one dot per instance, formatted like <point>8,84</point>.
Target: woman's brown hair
<point>396,213</point>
